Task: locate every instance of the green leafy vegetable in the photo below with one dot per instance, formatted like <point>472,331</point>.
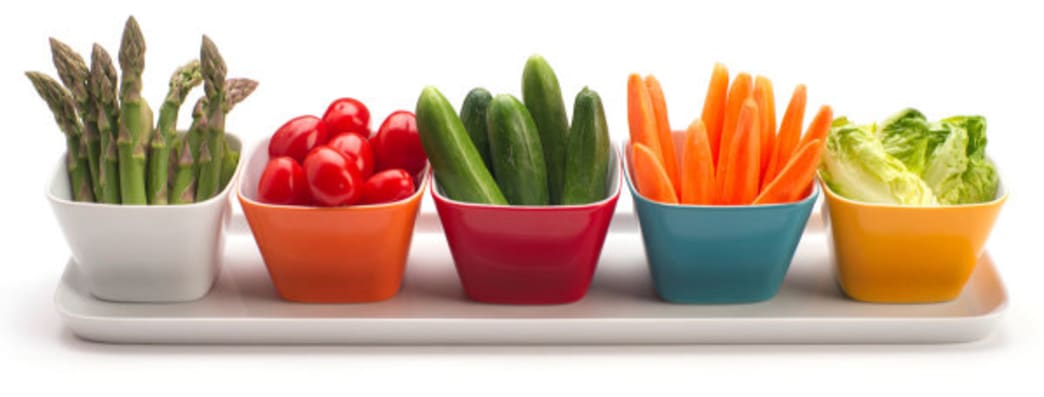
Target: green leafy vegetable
<point>857,166</point>
<point>911,161</point>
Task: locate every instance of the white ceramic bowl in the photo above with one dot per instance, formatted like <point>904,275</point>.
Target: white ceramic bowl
<point>137,253</point>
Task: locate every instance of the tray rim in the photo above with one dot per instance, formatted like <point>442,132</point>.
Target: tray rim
<point>979,325</point>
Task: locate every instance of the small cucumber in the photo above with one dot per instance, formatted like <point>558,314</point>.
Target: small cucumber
<point>518,159</point>
<point>457,165</point>
<point>473,114</point>
<point>543,98</point>
<point>587,148</point>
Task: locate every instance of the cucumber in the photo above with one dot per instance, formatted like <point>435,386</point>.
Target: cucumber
<point>518,159</point>
<point>543,98</point>
<point>587,162</point>
<point>457,165</point>
<point>473,114</point>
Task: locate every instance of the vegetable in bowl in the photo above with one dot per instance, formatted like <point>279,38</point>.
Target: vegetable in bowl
<point>907,160</point>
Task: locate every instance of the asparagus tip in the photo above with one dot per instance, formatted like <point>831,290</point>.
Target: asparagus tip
<point>132,46</point>
<point>236,90</point>
<point>212,64</point>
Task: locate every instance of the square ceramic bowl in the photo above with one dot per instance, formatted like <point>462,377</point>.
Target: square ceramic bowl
<point>902,254</point>
<point>139,253</point>
<point>346,254</point>
<point>719,254</point>
<point>528,254</point>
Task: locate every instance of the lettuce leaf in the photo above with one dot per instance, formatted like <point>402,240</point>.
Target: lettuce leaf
<point>856,165</point>
<point>945,167</point>
<point>911,161</point>
<point>906,137</point>
<point>980,180</point>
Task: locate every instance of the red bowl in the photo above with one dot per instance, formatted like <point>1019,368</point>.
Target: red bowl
<point>527,254</point>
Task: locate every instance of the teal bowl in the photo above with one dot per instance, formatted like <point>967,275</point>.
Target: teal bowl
<point>719,254</point>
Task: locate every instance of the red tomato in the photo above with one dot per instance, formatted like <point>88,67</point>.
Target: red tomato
<point>297,137</point>
<point>347,115</point>
<point>397,144</point>
<point>387,186</point>
<point>283,182</point>
<point>332,177</point>
<point>357,148</point>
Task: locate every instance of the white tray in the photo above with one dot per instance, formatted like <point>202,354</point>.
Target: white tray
<point>621,307</point>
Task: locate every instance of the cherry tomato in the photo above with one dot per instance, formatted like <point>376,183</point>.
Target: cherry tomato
<point>347,115</point>
<point>357,148</point>
<point>397,144</point>
<point>283,182</point>
<point>332,177</point>
<point>297,137</point>
<point>387,186</point>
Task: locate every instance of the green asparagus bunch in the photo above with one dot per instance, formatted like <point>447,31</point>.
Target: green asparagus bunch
<point>114,152</point>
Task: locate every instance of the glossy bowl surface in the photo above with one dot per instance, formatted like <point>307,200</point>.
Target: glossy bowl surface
<point>145,253</point>
<point>330,255</point>
<point>896,254</point>
<point>719,254</point>
<point>527,254</point>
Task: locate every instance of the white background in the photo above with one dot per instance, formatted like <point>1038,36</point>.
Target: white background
<point>866,60</point>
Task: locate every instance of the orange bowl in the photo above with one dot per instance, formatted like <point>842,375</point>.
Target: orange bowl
<point>330,255</point>
<point>904,254</point>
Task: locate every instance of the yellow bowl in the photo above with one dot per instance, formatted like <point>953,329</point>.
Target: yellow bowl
<point>903,254</point>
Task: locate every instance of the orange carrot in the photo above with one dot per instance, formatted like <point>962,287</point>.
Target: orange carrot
<point>738,175</point>
<point>820,126</point>
<point>766,100</point>
<point>663,130</point>
<point>697,166</point>
<point>714,107</point>
<point>640,116</point>
<point>738,93</point>
<point>795,179</point>
<point>649,175</point>
<point>634,113</point>
<point>789,135</point>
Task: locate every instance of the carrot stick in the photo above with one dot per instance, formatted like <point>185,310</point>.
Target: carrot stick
<point>697,166</point>
<point>738,93</point>
<point>714,107</point>
<point>789,134</point>
<point>738,175</point>
<point>820,126</point>
<point>640,116</point>
<point>663,130</point>
<point>766,100</point>
<point>634,113</point>
<point>649,175</point>
<point>795,179</point>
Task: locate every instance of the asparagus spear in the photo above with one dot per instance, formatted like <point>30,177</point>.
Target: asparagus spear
<point>212,150</point>
<point>238,89</point>
<point>60,101</point>
<point>74,75</point>
<point>184,167</point>
<point>183,190</point>
<point>183,182</point>
<point>164,136</point>
<point>135,116</point>
<point>102,86</point>
<point>228,166</point>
